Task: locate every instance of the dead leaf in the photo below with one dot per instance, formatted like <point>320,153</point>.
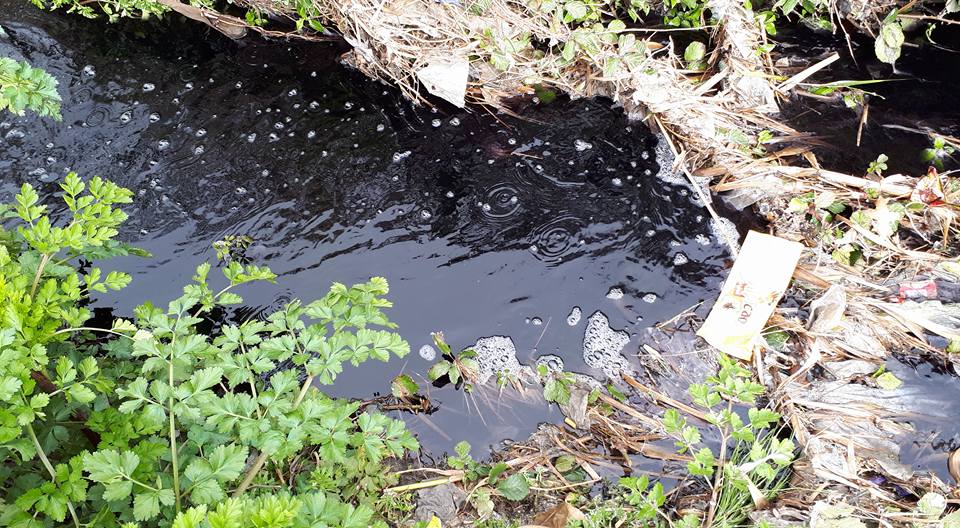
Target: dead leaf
<point>559,516</point>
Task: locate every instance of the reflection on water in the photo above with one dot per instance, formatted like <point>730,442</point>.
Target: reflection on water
<point>483,225</point>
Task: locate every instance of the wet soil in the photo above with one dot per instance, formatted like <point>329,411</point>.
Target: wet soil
<point>484,225</point>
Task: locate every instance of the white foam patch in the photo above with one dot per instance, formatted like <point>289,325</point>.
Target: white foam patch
<point>553,362</point>
<point>726,232</point>
<point>602,346</point>
<point>574,316</point>
<point>496,354</point>
<point>665,160</point>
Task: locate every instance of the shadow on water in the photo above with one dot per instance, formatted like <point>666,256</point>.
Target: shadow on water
<point>482,226</point>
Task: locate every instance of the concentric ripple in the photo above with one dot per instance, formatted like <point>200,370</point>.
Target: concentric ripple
<point>500,202</point>
<point>551,241</point>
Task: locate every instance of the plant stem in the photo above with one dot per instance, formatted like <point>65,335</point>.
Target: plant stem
<point>718,477</point>
<point>262,457</point>
<point>173,439</point>
<point>44,259</point>
<point>53,473</point>
<point>90,329</point>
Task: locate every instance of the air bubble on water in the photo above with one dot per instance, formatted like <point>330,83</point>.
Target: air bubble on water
<point>428,353</point>
<point>313,74</point>
<point>381,127</point>
<point>198,150</point>
<point>615,293</point>
<point>536,321</point>
<point>455,121</point>
<point>489,162</point>
<point>650,233</point>
<point>399,156</point>
<point>241,190</point>
<point>602,346</point>
<point>395,178</point>
<point>574,316</point>
<point>312,134</point>
<point>348,105</point>
<point>292,93</point>
<point>680,259</point>
<point>278,125</point>
<point>162,144</point>
<point>426,215</point>
<point>265,172</point>
<point>89,70</point>
<point>201,132</point>
<point>251,137</point>
<point>581,145</point>
<point>486,207</point>
<point>125,117</point>
<point>645,154</point>
<point>702,239</point>
<point>617,182</point>
<point>189,86</point>
<point>436,123</point>
<point>273,137</point>
<point>534,248</point>
<point>149,87</point>
<point>239,85</point>
<point>511,141</point>
<point>650,298</point>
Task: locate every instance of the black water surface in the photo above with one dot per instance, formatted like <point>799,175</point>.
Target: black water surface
<point>915,99</point>
<point>483,225</point>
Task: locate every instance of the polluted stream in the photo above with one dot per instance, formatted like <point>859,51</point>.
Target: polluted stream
<point>560,237</point>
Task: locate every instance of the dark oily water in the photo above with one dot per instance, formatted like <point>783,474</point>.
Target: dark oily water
<point>483,226</point>
<point>928,401</point>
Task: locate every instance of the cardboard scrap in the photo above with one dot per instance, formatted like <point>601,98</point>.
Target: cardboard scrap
<point>751,293</point>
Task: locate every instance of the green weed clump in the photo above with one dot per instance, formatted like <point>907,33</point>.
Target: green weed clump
<point>23,87</point>
<point>152,422</point>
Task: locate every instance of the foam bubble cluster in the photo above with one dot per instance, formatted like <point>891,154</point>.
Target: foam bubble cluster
<point>602,346</point>
<point>496,354</point>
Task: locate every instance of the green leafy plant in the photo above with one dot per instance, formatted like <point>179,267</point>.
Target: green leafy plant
<point>935,154</point>
<point>153,422</point>
<point>556,384</point>
<point>754,466</point>
<point>879,165</point>
<point>459,368</point>
<point>695,54</point>
<point>23,87</point>
<point>490,480</point>
<point>684,13</point>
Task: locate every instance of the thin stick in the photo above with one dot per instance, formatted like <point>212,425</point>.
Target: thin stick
<point>792,82</point>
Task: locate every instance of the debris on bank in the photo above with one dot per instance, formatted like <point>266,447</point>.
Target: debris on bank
<point>820,371</point>
<point>487,52</point>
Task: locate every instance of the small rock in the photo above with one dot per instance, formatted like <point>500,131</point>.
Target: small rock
<point>443,501</point>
